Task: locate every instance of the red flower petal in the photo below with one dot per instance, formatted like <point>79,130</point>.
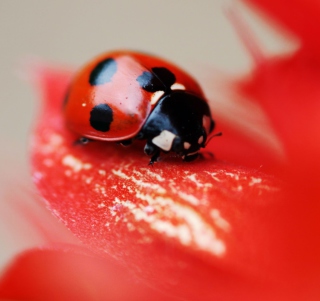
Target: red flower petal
<point>50,274</point>
<point>186,227</point>
<point>287,88</point>
<point>292,103</point>
<point>301,17</point>
<point>208,228</point>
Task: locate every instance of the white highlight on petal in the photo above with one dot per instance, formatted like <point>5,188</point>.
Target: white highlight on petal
<point>200,140</point>
<point>156,96</point>
<point>190,228</point>
<point>255,181</point>
<point>152,174</point>
<point>186,145</point>
<point>214,176</point>
<point>54,142</point>
<point>75,163</point>
<point>220,221</point>
<point>102,172</point>
<point>155,187</point>
<point>233,175</point>
<point>177,86</point>
<point>164,140</point>
<point>189,198</point>
<point>193,178</point>
<point>175,218</point>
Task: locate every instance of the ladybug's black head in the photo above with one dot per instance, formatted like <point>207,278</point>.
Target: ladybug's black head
<point>180,122</point>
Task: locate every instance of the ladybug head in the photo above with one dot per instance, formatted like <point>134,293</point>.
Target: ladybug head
<point>180,122</point>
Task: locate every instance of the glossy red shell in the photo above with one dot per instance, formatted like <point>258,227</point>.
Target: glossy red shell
<point>130,103</point>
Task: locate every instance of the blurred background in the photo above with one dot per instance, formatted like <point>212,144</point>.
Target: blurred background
<point>196,35</point>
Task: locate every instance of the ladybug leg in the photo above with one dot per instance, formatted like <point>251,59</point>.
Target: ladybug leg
<point>126,142</point>
<point>191,157</point>
<point>152,150</point>
<point>82,141</point>
<point>155,157</point>
<point>206,155</point>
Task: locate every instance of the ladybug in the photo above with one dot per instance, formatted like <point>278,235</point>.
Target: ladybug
<point>124,95</point>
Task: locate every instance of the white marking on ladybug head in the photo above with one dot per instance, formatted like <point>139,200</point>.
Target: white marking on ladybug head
<point>186,145</point>
<point>164,140</point>
<point>156,96</point>
<point>177,86</point>
<point>200,140</point>
<point>206,123</point>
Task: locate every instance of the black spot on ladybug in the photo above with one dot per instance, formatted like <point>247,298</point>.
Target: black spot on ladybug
<point>160,79</point>
<point>149,82</point>
<point>165,75</point>
<point>101,117</point>
<point>103,72</point>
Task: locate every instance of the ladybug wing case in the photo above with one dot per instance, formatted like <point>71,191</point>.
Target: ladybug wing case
<point>111,97</point>
<point>105,101</point>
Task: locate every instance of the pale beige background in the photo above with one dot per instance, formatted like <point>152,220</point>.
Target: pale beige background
<point>187,32</point>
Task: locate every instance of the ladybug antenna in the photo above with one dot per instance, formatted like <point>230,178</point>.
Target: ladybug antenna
<point>214,135</point>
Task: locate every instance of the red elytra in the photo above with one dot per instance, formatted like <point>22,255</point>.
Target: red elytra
<point>120,89</point>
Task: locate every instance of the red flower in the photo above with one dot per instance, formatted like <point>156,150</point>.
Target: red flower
<point>240,226</point>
